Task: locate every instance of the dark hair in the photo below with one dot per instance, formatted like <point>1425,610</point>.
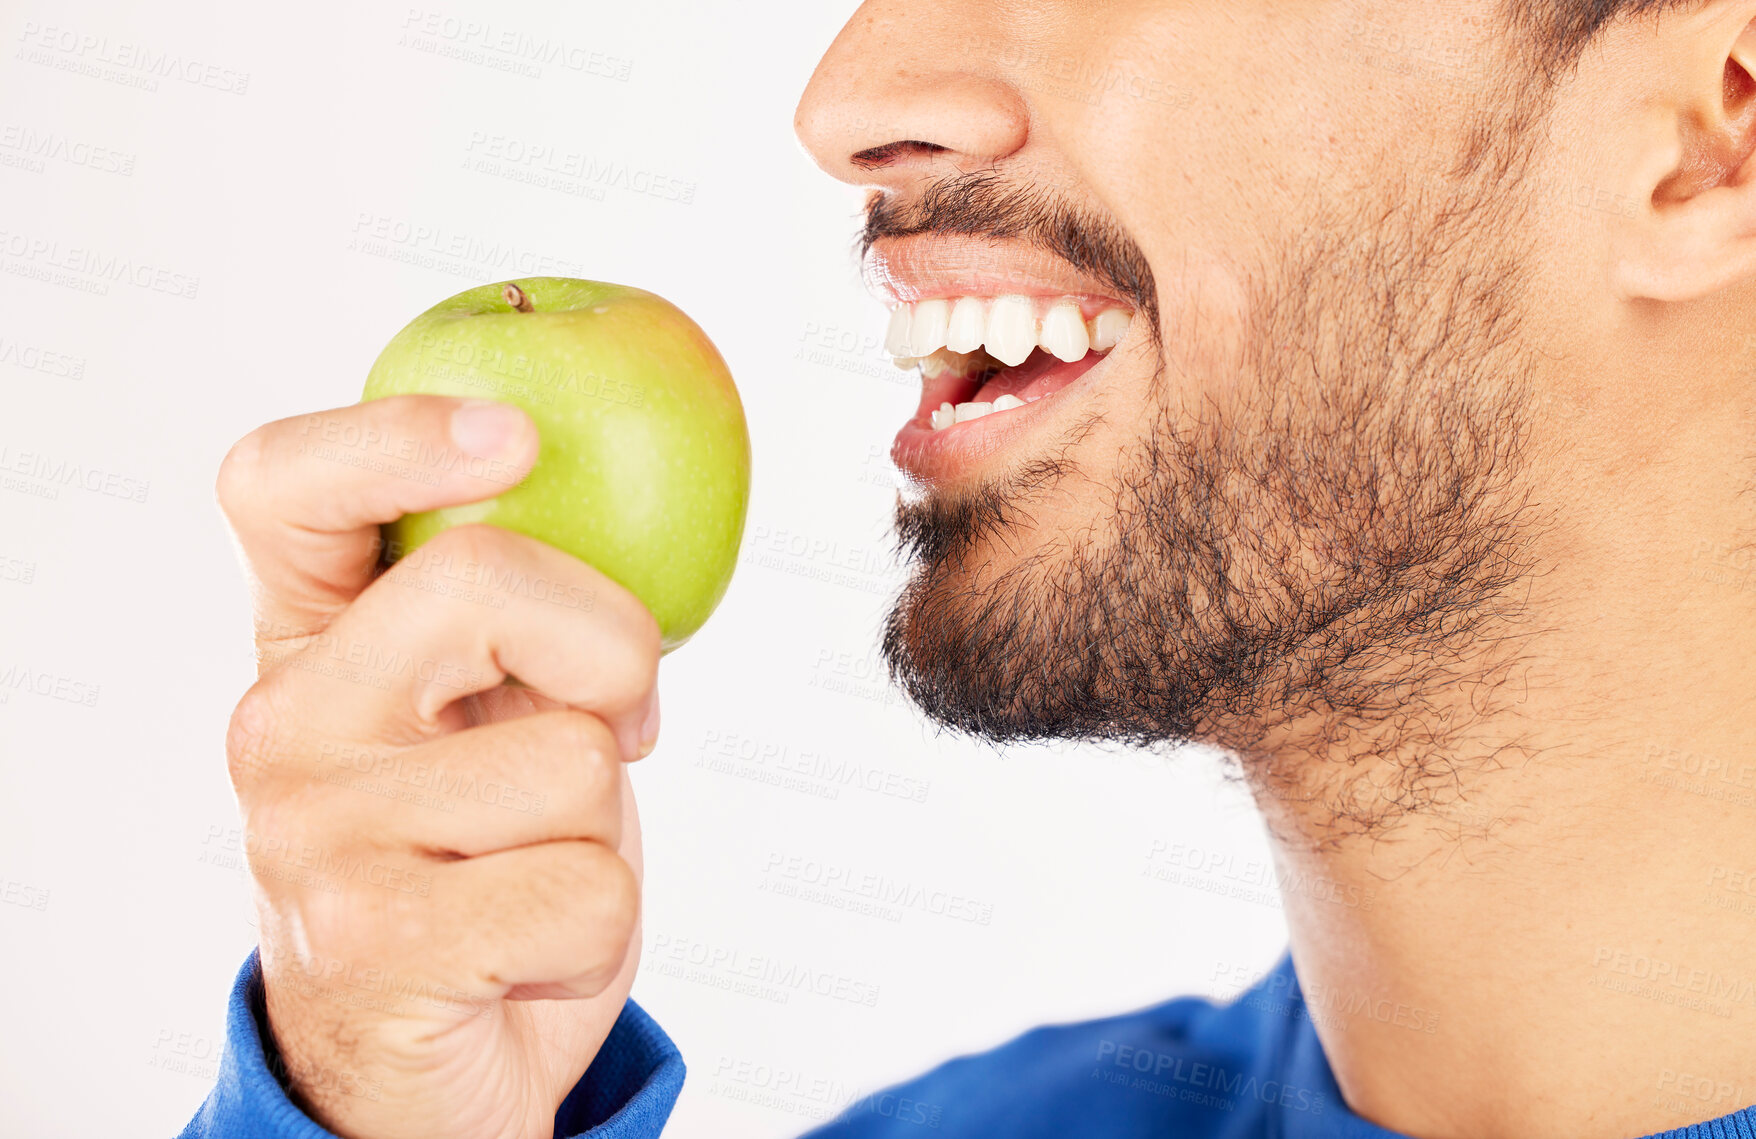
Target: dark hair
<point>1560,29</point>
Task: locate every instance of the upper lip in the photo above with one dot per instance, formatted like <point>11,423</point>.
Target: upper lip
<point>902,270</point>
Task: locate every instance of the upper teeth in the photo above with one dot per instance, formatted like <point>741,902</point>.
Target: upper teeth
<point>1009,328</point>
<point>1063,334</point>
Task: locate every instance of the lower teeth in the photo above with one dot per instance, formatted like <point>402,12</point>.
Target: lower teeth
<point>948,414</point>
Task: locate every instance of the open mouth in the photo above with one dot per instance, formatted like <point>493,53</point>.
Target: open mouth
<point>986,356</point>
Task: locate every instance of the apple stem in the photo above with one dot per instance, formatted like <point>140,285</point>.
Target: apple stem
<point>516,298</point>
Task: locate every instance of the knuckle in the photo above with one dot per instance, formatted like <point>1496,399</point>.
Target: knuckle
<point>638,662</point>
<point>630,647</point>
<point>599,897</point>
<point>240,473</point>
<point>609,915</point>
<point>649,641</point>
<point>409,414</point>
<point>618,895</point>
<point>581,735</point>
<point>462,549</point>
<point>336,928</point>
<point>638,631</point>
<point>252,735</point>
<point>601,872</point>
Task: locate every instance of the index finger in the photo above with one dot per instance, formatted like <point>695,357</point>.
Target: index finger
<point>305,495</point>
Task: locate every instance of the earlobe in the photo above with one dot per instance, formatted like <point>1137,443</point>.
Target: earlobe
<point>1698,231</point>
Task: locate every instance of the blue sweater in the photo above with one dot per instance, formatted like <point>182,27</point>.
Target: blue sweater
<point>1250,1069</point>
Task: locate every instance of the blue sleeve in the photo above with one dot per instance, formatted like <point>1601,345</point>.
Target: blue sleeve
<point>627,1093</point>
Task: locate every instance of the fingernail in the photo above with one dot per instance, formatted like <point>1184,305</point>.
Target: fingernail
<point>487,429</point>
<point>649,728</point>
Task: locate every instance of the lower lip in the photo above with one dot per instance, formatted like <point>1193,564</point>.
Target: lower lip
<point>930,456</point>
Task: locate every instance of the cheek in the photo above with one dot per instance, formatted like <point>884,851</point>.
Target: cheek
<point>1227,138</point>
<point>1198,125</point>
<point>1206,306</point>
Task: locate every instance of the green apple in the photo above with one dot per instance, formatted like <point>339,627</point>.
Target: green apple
<point>644,467</point>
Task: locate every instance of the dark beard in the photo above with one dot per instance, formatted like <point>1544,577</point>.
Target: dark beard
<point>1302,581</point>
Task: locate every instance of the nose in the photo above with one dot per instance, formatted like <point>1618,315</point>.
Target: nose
<point>901,96</point>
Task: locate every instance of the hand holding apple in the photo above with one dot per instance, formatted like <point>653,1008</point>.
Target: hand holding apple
<point>446,959</point>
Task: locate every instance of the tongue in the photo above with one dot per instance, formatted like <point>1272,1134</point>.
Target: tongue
<point>1041,374</point>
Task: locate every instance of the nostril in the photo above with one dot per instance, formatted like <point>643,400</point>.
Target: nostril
<point>876,157</point>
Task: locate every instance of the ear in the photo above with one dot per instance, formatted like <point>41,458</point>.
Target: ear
<point>1697,232</point>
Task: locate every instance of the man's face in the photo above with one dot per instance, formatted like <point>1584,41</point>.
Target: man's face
<point>1289,513</point>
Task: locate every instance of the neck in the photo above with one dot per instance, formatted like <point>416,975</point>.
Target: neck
<point>1565,949</point>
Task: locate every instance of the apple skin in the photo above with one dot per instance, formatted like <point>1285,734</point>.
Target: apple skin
<point>644,466</point>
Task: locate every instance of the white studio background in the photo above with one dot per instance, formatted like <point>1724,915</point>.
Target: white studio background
<point>189,253</point>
